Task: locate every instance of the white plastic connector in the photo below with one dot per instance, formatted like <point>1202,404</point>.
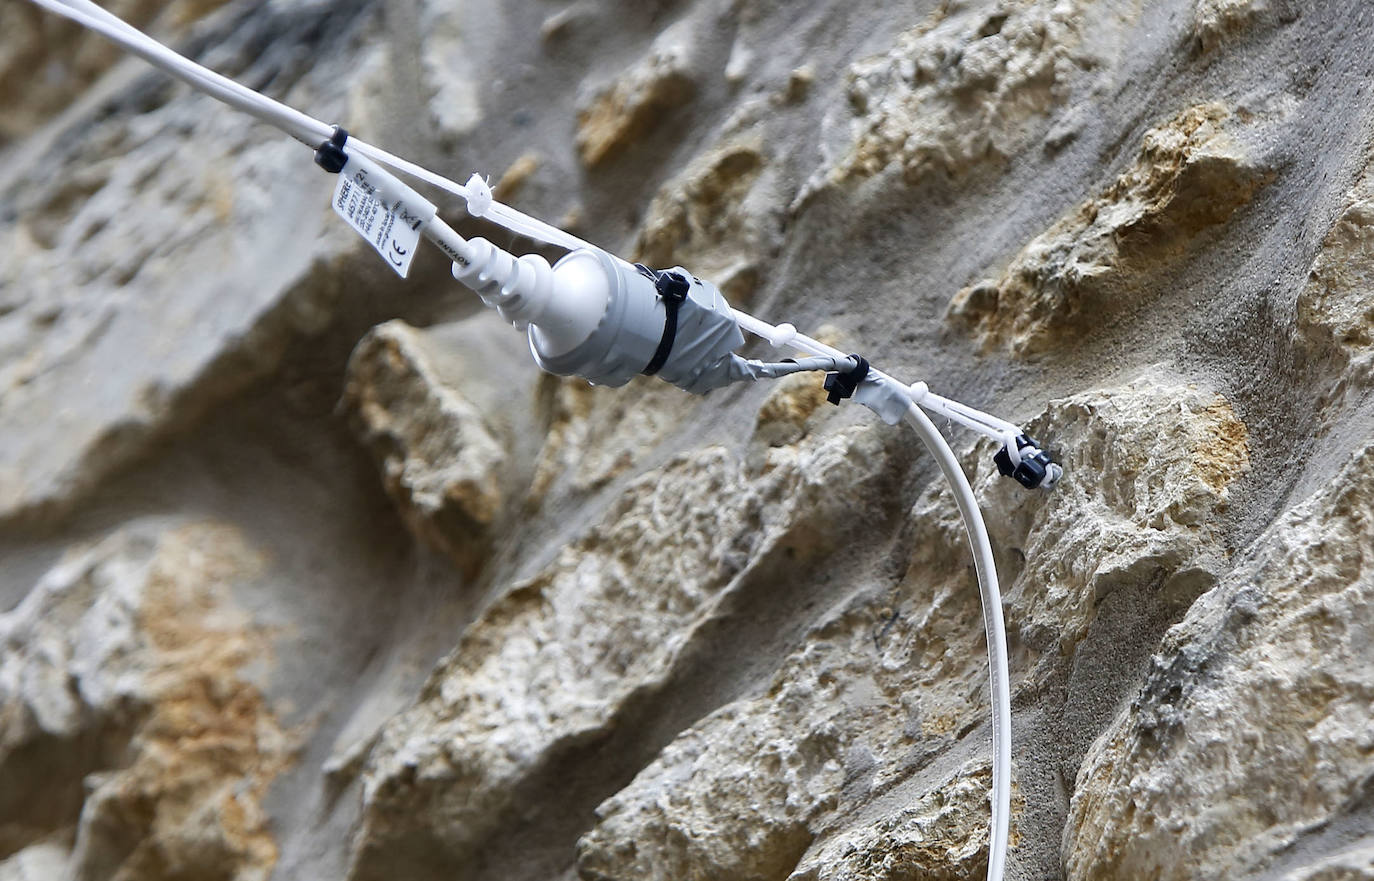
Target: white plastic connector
<point>581,293</point>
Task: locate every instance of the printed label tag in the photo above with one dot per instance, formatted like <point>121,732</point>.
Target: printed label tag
<point>383,210</point>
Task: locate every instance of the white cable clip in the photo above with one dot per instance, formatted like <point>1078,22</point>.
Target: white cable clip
<point>479,196</point>
<point>782,335</point>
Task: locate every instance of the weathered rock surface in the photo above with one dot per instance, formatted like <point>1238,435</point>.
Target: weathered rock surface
<point>1192,174</point>
<point>1252,729</point>
<point>1353,864</point>
<point>126,711</point>
<point>899,675</point>
<point>270,610</point>
<point>453,454</point>
<point>1335,311</point>
<point>68,57</point>
<point>528,680</point>
<point>592,438</point>
<point>122,310</point>
<point>719,218</point>
<point>1217,22</point>
<point>973,83</point>
<point>631,106</point>
<point>943,835</point>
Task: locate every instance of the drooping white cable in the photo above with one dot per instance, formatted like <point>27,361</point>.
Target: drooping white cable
<point>998,675</point>
<point>313,132</point>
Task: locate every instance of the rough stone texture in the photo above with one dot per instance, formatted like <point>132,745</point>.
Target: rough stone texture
<point>900,674</point>
<point>972,83</point>
<point>67,57</point>
<point>1335,311</point>
<point>1191,175</point>
<point>1353,864</point>
<point>379,601</point>
<point>133,249</point>
<point>630,107</point>
<point>450,454</point>
<point>528,681</point>
<point>123,702</point>
<point>713,219</point>
<point>1251,731</point>
<point>1217,22</point>
<point>929,838</point>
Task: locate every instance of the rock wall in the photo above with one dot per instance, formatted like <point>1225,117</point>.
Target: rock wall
<point>306,572</point>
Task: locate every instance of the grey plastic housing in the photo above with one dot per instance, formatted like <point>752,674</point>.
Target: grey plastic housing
<point>631,327</point>
<point>707,336</point>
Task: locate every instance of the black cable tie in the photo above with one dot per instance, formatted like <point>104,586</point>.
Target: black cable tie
<point>673,288</point>
<point>1035,463</point>
<point>843,383</point>
<point>330,155</point>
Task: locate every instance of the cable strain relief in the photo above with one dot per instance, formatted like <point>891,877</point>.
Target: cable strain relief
<point>526,293</point>
<point>478,275</point>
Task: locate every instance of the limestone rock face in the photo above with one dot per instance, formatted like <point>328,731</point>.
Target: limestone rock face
<point>899,675</point>
<point>528,681</point>
<point>1217,22</point>
<point>718,218</point>
<point>632,105</point>
<point>593,438</point>
<point>127,714</point>
<point>1275,661</point>
<point>1191,174</point>
<point>942,835</point>
<point>1335,312</point>
<point>166,204</point>
<point>307,573</point>
<point>68,56</point>
<point>972,83</point>
<point>449,451</point>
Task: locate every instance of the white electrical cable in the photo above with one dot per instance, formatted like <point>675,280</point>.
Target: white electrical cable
<point>313,132</point>
<point>296,124</point>
<point>786,335</point>
<point>306,129</point>
<point>995,631</point>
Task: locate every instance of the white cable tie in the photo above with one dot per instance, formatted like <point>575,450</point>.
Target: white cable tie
<point>479,196</point>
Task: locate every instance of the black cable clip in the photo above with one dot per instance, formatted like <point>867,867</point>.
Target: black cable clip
<point>330,155</point>
<point>673,288</point>
<point>843,383</point>
<point>1036,465</point>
